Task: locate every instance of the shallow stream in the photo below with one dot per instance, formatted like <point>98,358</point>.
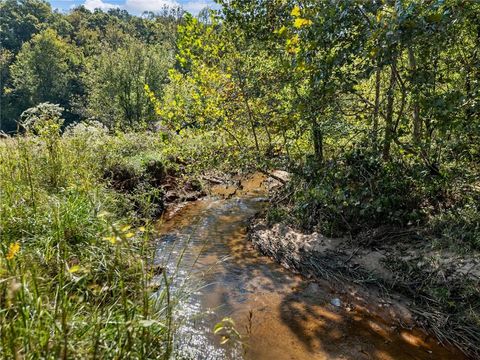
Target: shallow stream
<point>279,315</point>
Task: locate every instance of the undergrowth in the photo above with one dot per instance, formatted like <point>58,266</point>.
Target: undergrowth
<point>358,191</point>
<point>75,253</point>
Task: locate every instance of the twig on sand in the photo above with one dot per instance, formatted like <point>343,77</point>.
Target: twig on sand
<point>273,176</point>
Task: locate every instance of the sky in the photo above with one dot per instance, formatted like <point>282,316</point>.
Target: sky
<point>134,6</point>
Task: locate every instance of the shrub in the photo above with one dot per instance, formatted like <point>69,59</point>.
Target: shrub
<point>458,226</point>
<point>359,191</point>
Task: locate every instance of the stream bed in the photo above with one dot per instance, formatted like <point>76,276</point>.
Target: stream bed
<point>280,315</point>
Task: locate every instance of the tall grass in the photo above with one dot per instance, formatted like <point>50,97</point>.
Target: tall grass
<point>75,264</point>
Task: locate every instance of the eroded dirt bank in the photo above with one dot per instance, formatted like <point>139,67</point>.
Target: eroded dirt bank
<point>384,276</point>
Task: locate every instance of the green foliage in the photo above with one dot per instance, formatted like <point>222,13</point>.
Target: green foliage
<point>458,227</point>
<point>44,70</point>
<point>70,59</point>
<point>116,79</point>
<point>20,20</point>
<point>75,279</point>
<point>45,121</point>
<point>230,85</point>
<point>357,192</point>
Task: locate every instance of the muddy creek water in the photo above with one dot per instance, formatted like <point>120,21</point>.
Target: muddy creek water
<point>280,315</point>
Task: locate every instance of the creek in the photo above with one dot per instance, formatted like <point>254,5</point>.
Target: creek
<point>280,315</point>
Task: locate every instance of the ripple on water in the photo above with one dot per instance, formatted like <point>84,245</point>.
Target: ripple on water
<point>216,273</point>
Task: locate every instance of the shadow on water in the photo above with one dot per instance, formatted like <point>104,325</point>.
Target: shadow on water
<point>281,315</point>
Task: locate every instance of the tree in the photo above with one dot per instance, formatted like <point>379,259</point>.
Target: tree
<point>116,81</point>
<point>45,70</point>
<point>20,20</point>
<point>320,41</point>
<point>6,123</point>
<point>227,83</point>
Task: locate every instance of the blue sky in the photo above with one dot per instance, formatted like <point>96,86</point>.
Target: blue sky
<point>134,6</point>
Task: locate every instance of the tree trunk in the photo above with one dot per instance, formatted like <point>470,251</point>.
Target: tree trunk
<point>389,114</point>
<point>377,105</point>
<point>317,135</point>
<point>417,125</point>
<point>252,125</point>
<point>250,115</point>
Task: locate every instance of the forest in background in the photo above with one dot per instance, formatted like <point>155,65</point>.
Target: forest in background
<point>373,106</point>
<point>83,61</point>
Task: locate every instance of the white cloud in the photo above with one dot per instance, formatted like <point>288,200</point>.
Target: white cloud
<point>98,4</point>
<point>195,7</point>
<point>139,6</point>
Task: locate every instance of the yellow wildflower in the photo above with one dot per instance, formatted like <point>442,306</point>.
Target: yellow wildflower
<point>141,228</point>
<point>281,31</point>
<point>13,249</point>
<point>111,239</point>
<point>299,22</point>
<point>129,235</point>
<point>126,228</point>
<point>74,269</point>
<point>295,11</point>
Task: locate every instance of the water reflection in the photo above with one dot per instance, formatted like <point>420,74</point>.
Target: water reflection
<point>281,316</point>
